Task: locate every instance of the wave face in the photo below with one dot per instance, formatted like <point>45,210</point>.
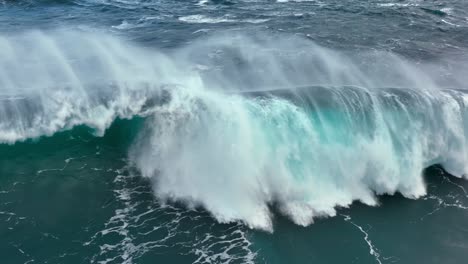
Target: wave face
<point>236,156</point>
<point>225,130</point>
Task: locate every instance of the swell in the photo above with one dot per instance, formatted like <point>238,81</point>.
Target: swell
<point>219,133</point>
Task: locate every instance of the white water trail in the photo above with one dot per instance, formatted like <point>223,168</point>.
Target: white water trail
<point>215,137</point>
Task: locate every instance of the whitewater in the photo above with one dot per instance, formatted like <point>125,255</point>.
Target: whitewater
<point>244,126</point>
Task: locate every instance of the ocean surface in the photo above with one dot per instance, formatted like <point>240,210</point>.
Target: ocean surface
<point>236,131</point>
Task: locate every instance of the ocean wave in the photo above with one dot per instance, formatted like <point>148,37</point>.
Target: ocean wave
<point>236,157</point>
<point>397,4</point>
<point>225,130</point>
<point>202,19</point>
<point>286,1</point>
<point>124,25</point>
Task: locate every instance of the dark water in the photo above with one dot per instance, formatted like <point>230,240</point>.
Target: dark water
<point>140,131</point>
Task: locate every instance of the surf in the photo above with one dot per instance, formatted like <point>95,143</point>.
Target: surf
<point>239,124</point>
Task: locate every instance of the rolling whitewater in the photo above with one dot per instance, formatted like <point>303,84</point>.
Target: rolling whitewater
<point>164,131</point>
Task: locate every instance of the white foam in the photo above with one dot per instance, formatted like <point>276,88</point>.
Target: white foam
<point>373,251</point>
<point>159,227</point>
<point>124,25</point>
<point>286,1</point>
<point>202,19</point>
<point>398,4</point>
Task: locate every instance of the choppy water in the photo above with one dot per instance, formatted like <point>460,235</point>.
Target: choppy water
<point>233,131</point>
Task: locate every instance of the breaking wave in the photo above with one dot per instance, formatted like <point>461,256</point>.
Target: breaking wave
<point>241,124</point>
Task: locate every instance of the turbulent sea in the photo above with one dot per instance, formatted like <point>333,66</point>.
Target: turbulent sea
<point>241,131</point>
